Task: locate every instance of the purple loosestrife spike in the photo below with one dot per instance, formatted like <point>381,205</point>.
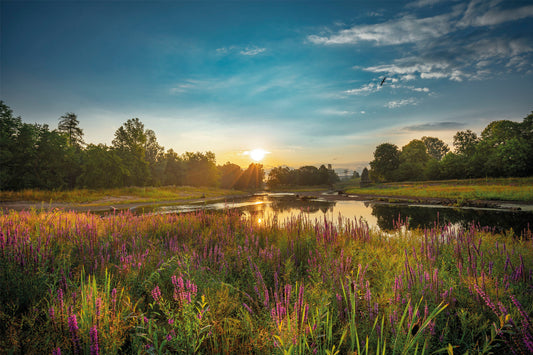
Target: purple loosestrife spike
<point>94,341</point>
<point>156,294</point>
<point>56,351</point>
<point>74,331</point>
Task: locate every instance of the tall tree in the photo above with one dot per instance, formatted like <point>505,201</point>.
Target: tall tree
<point>386,161</point>
<point>413,160</point>
<point>229,174</point>
<point>201,169</point>
<point>130,142</point>
<point>9,129</point>
<point>465,142</point>
<point>436,148</point>
<point>69,125</point>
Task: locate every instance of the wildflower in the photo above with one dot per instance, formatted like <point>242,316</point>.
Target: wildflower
<point>56,351</point>
<point>94,341</point>
<point>156,293</point>
<point>73,327</point>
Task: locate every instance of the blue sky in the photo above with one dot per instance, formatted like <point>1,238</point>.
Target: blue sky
<point>300,79</point>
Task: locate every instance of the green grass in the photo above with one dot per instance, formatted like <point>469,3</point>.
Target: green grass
<point>512,189</point>
<point>117,195</point>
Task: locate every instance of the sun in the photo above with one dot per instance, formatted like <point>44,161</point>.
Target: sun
<point>257,154</point>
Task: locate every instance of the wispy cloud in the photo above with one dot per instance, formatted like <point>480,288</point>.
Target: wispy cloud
<point>407,29</point>
<point>363,90</point>
<point>435,126</point>
<point>488,13</point>
<point>440,48</point>
<point>400,103</point>
<point>246,51</point>
<point>251,51</point>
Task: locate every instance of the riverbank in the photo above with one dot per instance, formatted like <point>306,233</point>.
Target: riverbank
<point>112,199</point>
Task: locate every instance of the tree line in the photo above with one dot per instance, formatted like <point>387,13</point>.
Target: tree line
<point>35,156</point>
<point>504,149</point>
<point>303,176</point>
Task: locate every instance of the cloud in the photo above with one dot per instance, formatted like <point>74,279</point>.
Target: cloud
<point>487,13</point>
<point>407,29</point>
<point>400,103</point>
<point>424,3</point>
<point>435,126</point>
<point>249,51</point>
<point>444,46</point>
<point>364,90</point>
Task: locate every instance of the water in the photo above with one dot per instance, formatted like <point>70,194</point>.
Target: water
<point>380,215</point>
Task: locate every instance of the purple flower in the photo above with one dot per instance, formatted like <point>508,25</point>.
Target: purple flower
<point>73,327</point>
<point>93,333</point>
<point>156,293</point>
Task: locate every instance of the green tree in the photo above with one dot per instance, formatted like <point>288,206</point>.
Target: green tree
<point>386,162</point>
<point>69,125</point>
<point>251,178</point>
<point>131,142</point>
<point>435,147</point>
<point>9,130</point>
<point>413,160</point>
<point>229,175</point>
<point>201,169</point>
<point>102,168</point>
<point>464,142</point>
<point>175,169</point>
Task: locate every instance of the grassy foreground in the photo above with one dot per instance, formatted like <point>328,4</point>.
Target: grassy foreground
<point>118,195</point>
<point>512,189</point>
<point>215,283</point>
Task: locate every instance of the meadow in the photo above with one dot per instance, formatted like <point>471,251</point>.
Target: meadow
<point>132,194</point>
<point>503,189</point>
<point>79,283</point>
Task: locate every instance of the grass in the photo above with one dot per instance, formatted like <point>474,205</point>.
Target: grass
<point>117,195</point>
<point>213,283</point>
<point>512,189</point>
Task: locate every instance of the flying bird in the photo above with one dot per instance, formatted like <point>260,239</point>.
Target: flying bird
<point>382,81</point>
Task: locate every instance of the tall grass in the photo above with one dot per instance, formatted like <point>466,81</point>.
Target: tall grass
<point>216,283</point>
<point>512,189</point>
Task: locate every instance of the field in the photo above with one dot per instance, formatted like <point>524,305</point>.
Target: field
<point>118,195</point>
<point>215,283</point>
<point>512,189</point>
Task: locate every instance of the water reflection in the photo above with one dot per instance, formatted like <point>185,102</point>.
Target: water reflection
<point>284,207</point>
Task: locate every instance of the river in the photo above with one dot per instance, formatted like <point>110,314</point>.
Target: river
<point>282,206</point>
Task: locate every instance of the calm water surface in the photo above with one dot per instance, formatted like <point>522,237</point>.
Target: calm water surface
<point>286,205</point>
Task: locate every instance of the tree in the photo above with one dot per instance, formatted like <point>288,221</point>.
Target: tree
<point>251,178</point>
<point>435,147</point>
<point>386,161</point>
<point>365,178</point>
<point>102,168</point>
<point>465,142</point>
<point>69,125</point>
<point>413,160</point>
<point>9,129</point>
<point>131,142</point>
<point>174,169</point>
<point>201,169</point>
<point>229,174</point>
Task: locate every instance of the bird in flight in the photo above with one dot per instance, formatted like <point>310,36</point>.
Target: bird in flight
<point>382,81</point>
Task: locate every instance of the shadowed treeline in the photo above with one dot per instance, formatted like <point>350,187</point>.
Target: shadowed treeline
<point>34,156</point>
<point>504,149</point>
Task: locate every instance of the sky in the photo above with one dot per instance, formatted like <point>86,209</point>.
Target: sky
<point>299,79</point>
